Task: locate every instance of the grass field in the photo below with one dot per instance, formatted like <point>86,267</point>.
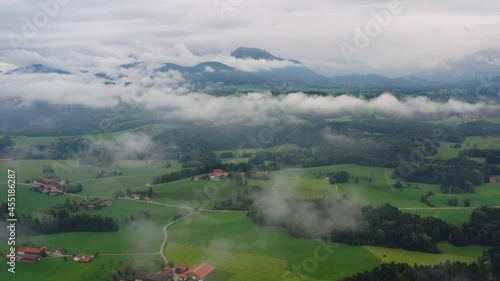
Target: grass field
<point>230,241</point>
<point>58,269</point>
<point>401,256</point>
<point>217,238</point>
<point>447,152</point>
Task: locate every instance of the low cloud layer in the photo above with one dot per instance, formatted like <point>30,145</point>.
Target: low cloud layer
<point>127,146</point>
<point>305,217</point>
<point>177,98</point>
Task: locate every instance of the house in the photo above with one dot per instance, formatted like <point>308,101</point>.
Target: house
<point>54,192</point>
<point>197,178</point>
<point>495,179</point>
<point>148,276</point>
<point>28,254</point>
<point>147,199</point>
<point>135,196</point>
<point>60,251</point>
<point>91,207</point>
<point>83,258</point>
<point>30,258</point>
<point>168,272</point>
<point>199,272</point>
<point>21,251</point>
<point>218,174</point>
<point>48,181</point>
<point>181,268</point>
<point>105,203</point>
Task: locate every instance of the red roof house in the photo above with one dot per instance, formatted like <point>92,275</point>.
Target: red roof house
<point>31,258</point>
<point>135,196</point>
<point>60,251</point>
<point>181,268</point>
<point>198,272</point>
<point>148,199</point>
<point>167,271</point>
<point>83,258</point>
<point>30,251</point>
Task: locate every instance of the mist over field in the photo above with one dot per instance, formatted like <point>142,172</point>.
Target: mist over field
<point>229,140</point>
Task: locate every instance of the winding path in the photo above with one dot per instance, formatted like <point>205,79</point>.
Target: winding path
<point>162,252</point>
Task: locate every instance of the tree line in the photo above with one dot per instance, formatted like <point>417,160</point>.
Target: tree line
<point>58,219</point>
<point>387,226</point>
<point>486,269</point>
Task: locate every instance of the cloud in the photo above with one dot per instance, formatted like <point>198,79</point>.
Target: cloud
<point>302,216</point>
<point>174,97</point>
<point>288,28</point>
<point>127,146</point>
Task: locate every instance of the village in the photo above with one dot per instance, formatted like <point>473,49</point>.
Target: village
<point>182,272</point>
<point>53,186</point>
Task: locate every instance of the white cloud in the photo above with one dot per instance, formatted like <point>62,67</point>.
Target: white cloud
<point>96,33</point>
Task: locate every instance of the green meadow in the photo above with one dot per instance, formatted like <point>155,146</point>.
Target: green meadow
<point>219,238</point>
<point>223,239</point>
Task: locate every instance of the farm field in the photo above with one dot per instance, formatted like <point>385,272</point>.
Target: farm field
<point>59,269</point>
<point>217,238</point>
<point>445,151</point>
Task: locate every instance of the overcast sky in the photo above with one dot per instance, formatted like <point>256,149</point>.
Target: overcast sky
<point>90,33</point>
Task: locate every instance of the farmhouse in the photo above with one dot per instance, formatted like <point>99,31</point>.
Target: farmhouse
<point>135,196</point>
<point>49,186</point>
<point>495,179</point>
<point>181,268</point>
<point>148,276</point>
<point>28,254</point>
<point>94,205</point>
<point>218,174</point>
<point>83,258</point>
<point>48,181</point>
<point>106,203</point>
<point>198,272</point>
<point>169,272</point>
<point>30,258</point>
<point>60,251</point>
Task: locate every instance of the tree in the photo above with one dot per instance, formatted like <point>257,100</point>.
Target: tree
<point>150,192</point>
<point>398,184</point>
<point>342,176</point>
<point>129,192</point>
<point>467,203</point>
<point>119,194</point>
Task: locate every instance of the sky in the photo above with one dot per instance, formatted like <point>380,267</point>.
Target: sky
<point>330,36</point>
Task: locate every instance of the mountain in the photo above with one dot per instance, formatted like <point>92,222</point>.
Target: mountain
<point>484,63</point>
<point>213,72</point>
<point>133,64</point>
<point>38,68</point>
<point>257,54</point>
<point>294,75</point>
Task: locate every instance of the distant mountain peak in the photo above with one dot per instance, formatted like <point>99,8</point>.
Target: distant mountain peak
<point>257,54</point>
<point>38,68</point>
